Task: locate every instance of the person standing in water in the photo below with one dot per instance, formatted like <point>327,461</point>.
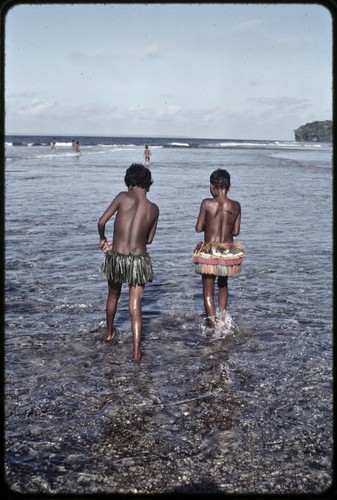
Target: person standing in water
<point>126,258</point>
<point>53,144</point>
<point>147,155</point>
<point>219,218</point>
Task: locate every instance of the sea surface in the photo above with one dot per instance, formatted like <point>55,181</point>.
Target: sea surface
<point>247,409</point>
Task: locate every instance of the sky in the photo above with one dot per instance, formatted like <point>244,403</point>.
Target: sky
<point>221,70</point>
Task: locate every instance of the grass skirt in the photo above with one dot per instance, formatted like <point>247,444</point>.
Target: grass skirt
<point>219,259</point>
<point>132,269</point>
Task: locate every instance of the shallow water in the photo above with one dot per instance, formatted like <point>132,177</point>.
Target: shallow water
<point>245,410</point>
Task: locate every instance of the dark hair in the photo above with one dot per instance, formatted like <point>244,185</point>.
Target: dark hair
<point>220,179</point>
<point>138,175</point>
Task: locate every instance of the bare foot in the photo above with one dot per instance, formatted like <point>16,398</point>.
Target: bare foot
<point>211,322</point>
<point>137,356</point>
<point>110,336</point>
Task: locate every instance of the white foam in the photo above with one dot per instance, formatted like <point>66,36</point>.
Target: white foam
<point>225,326</point>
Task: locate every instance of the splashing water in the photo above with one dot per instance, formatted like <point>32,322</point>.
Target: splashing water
<point>225,326</point>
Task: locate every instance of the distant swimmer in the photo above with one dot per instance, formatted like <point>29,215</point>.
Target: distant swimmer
<point>77,148</point>
<point>218,255</point>
<point>53,144</point>
<point>147,155</point>
<point>73,145</point>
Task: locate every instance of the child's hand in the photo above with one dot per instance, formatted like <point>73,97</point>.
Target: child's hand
<point>103,243</point>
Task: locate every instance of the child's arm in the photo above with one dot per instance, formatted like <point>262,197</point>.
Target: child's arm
<point>109,212</point>
<point>237,223</point>
<point>200,225</point>
<point>153,228</point>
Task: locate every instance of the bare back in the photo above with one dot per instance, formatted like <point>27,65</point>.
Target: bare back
<point>135,222</point>
<point>219,218</point>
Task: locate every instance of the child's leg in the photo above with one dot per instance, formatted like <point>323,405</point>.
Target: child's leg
<point>111,307</point>
<point>135,308</point>
<point>208,292</point>
<point>223,293</point>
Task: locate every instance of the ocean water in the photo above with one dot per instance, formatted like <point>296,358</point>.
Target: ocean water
<point>247,409</point>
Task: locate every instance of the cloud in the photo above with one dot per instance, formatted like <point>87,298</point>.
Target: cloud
<point>278,115</point>
<point>27,94</point>
<point>33,108</point>
<point>254,83</point>
<point>77,57</point>
<point>292,40</point>
<point>152,51</point>
<point>251,23</point>
<point>283,102</point>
